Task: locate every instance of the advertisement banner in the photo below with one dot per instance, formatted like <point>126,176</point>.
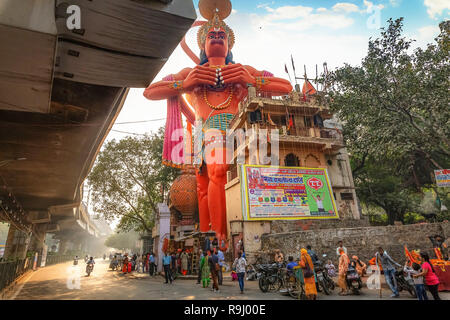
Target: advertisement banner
<point>286,193</point>
<point>442,178</point>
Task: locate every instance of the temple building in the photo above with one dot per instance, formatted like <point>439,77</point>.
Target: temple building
<point>309,137</point>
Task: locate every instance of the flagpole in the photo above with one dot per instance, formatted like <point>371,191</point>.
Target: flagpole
<point>293,67</point>
<point>287,71</point>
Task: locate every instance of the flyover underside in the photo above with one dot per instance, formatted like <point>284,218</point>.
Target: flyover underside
<point>59,147</point>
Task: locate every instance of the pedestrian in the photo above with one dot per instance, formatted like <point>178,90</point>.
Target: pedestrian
<point>312,254</point>
<point>173,265</point>
<point>340,245</point>
<point>152,267</point>
<point>214,267</point>
<point>240,264</point>
<point>205,270</point>
<point>125,264</point>
<point>184,262</point>
<point>221,257</point>
<point>418,281</point>
<point>431,279</point>
<point>343,267</point>
<point>308,274</point>
<point>331,269</point>
<point>138,263</point>
<point>167,260</point>
<point>389,270</point>
<point>199,272</point>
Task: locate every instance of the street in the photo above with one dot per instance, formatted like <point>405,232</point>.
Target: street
<point>50,283</point>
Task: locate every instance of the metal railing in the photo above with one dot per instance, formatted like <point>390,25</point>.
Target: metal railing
<point>10,271</point>
<point>55,259</point>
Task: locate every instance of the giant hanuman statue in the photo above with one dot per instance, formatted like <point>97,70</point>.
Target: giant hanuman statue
<point>214,87</point>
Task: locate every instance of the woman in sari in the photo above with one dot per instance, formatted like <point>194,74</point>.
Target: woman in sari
<point>343,267</point>
<point>204,269</point>
<point>308,275</point>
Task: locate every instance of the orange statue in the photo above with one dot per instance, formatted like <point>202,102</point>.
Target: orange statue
<point>214,87</point>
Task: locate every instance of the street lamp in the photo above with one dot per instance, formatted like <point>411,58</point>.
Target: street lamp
<point>5,162</point>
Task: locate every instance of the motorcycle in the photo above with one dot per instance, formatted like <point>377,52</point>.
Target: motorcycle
<point>405,282</point>
<point>89,269</point>
<point>270,279</point>
<point>353,280</point>
<point>324,281</point>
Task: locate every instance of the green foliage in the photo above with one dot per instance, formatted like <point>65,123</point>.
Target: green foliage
<point>129,180</point>
<point>122,241</point>
<point>395,115</point>
<point>395,105</point>
<point>413,217</point>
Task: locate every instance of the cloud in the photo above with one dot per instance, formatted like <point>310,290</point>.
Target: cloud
<point>428,33</point>
<point>370,6</point>
<point>345,7</point>
<point>436,7</point>
<point>395,3</point>
<point>300,18</point>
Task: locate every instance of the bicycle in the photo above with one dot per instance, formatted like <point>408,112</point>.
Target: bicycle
<point>294,283</point>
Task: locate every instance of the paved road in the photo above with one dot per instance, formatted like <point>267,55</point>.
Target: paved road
<point>50,283</point>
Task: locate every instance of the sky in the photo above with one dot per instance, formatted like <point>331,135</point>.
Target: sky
<point>313,31</point>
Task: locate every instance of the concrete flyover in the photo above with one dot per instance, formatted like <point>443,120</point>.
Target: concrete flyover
<point>60,93</point>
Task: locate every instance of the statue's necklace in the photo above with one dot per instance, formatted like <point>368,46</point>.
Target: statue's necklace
<point>221,106</point>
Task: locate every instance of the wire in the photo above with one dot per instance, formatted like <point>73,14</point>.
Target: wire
<point>125,132</point>
<point>141,121</point>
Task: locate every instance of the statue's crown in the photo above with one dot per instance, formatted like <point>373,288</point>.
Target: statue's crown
<point>215,11</point>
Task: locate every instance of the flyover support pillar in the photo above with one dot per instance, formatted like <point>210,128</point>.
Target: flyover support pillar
<point>16,244</point>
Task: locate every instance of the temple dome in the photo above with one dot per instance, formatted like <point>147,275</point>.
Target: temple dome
<point>183,193</point>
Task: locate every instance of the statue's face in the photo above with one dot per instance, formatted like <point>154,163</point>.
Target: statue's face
<point>216,44</point>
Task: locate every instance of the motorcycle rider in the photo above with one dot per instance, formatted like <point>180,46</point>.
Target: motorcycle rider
<point>90,262</point>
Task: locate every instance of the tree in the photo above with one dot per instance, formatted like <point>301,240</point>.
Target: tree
<point>395,105</point>
<point>395,115</point>
<point>129,180</point>
<point>377,184</point>
<point>122,241</point>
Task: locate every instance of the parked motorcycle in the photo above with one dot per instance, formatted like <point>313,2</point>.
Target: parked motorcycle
<point>270,279</point>
<point>324,281</point>
<point>353,280</point>
<point>405,282</point>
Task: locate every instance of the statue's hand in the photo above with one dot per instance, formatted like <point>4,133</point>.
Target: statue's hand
<point>237,73</point>
<point>200,76</point>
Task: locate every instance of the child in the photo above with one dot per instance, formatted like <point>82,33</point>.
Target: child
<point>418,281</point>
<point>331,269</point>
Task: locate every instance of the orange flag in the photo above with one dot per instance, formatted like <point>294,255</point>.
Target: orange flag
<point>308,88</point>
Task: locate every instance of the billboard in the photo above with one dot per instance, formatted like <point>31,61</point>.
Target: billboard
<point>442,178</point>
<point>286,193</point>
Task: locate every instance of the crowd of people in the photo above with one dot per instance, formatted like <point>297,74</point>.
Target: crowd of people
<point>422,273</point>
<point>211,265</point>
